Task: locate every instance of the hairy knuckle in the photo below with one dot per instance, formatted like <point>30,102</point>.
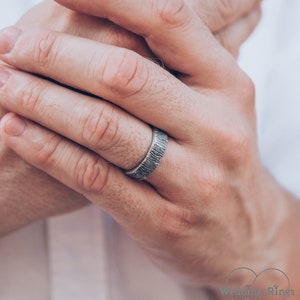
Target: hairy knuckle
<point>123,72</point>
<point>92,174</point>
<point>101,128</point>
<point>45,49</point>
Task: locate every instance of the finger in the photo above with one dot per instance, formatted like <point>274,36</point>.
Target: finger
<point>132,204</point>
<point>174,33</point>
<point>218,14</point>
<point>122,76</point>
<point>95,124</point>
<point>233,36</point>
<point>101,30</point>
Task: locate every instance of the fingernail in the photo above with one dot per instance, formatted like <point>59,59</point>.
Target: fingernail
<point>8,37</point>
<point>4,75</point>
<point>14,126</point>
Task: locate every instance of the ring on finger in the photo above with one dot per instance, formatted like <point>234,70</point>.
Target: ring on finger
<point>153,157</point>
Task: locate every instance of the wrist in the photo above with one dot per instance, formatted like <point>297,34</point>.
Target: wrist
<point>272,213</point>
<point>271,258</point>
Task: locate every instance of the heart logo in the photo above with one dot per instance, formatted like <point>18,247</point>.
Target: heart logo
<point>271,284</point>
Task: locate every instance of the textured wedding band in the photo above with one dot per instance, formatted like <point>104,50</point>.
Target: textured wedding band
<point>153,158</point>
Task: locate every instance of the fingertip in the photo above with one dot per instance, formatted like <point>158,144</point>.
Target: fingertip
<point>12,125</point>
<point>8,38</point>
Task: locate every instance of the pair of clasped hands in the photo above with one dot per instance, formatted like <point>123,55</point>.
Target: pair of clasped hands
<point>131,66</point>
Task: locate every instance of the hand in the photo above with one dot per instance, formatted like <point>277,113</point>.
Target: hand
<point>21,202</point>
<point>27,194</point>
<point>230,21</point>
<point>210,182</point>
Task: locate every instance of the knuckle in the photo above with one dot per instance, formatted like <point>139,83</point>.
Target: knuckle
<point>238,142</point>
<point>211,181</point>
<point>101,128</point>
<point>172,12</point>
<point>124,73</point>
<point>45,49</point>
<point>32,95</point>
<point>47,154</point>
<point>91,174</point>
<point>226,9</point>
<point>176,222</point>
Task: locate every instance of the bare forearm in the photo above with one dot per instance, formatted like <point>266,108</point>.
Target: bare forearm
<point>23,201</point>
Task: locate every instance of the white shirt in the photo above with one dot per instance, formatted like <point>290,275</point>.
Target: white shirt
<point>85,255</point>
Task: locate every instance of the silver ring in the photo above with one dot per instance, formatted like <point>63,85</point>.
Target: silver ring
<point>153,158</point>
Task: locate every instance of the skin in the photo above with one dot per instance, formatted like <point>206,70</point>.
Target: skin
<point>21,203</point>
<point>211,181</point>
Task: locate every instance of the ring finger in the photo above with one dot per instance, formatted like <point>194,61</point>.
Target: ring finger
<point>100,126</point>
<point>85,172</point>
